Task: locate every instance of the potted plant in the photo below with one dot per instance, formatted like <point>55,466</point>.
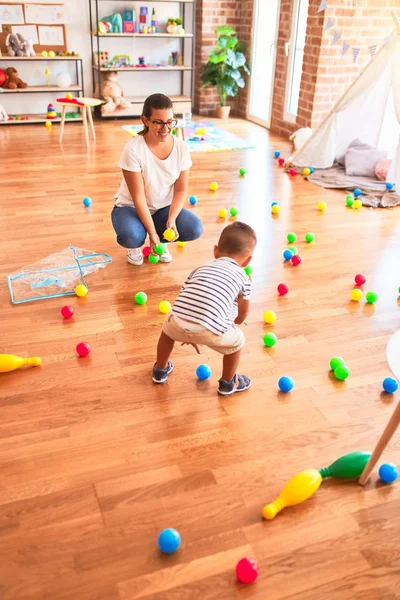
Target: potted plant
<point>225,68</point>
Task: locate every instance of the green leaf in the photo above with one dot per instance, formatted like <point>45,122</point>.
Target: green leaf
<point>217,58</point>
<point>225,30</point>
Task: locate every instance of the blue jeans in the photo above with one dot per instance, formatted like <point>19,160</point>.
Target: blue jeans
<point>132,234</point>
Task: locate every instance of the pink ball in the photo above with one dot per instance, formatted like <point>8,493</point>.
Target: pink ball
<point>296,260</point>
<point>83,349</point>
<point>359,279</point>
<point>281,162</point>
<point>292,172</point>
<point>283,289</point>
<point>247,570</point>
<point>67,312</point>
<point>146,251</point>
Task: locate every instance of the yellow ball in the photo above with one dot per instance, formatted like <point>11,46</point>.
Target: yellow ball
<point>181,244</point>
<point>49,124</point>
<point>68,96</point>
<point>81,290</point>
<point>164,307</point>
<point>169,235</point>
<point>321,205</point>
<point>306,171</point>
<point>222,213</point>
<point>357,204</point>
<point>52,53</point>
<point>269,317</point>
<point>214,186</point>
<point>356,294</point>
<point>44,53</point>
<point>275,209</point>
<point>200,131</point>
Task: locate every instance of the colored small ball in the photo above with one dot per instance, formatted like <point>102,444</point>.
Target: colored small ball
<point>321,206</point>
<point>269,317</point>
<point>159,249</point>
<point>169,540</point>
<point>193,199</point>
<point>67,312</point>
<point>242,172</point>
<point>309,237</point>
<point>342,372</point>
<point>312,169</point>
<point>153,259</point>
<point>181,244</point>
<point>349,200</point>
<point>164,307</point>
<point>52,53</point>
<point>357,192</point>
<point>388,472</point>
<point>48,124</point>
<point>234,211</point>
<point>169,235</point>
<point>277,154</point>
<point>247,570</point>
<point>357,204</point>
<point>371,297</point>
<point>292,172</point>
<point>283,289</point>
<point>306,172</point>
<point>44,53</point>
<point>275,209</point>
<point>83,349</point>
<point>359,279</point>
<point>287,255</point>
<point>389,186</point>
<point>87,201</point>
<point>293,249</point>
<point>248,270</point>
<point>146,251</point>
<point>270,339</point>
<point>214,186</point>
<point>203,372</point>
<point>335,362</point>
<point>356,295</point>
<point>81,290</point>
<point>295,260</point>
<point>275,203</point>
<point>281,162</point>
<point>285,384</point>
<point>141,298</point>
<point>222,213</point>
<point>390,385</point>
<point>68,96</point>
<point>291,237</point>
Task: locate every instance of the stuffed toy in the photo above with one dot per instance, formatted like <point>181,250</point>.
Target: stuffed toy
<point>113,21</point>
<point>29,51</point>
<point>3,114</point>
<point>13,81</point>
<point>112,93</point>
<point>15,43</point>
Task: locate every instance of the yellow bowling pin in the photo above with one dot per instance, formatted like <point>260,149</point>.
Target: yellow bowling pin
<point>9,362</point>
<point>298,489</point>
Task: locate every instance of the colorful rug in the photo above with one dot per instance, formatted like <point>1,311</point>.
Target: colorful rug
<point>203,136</point>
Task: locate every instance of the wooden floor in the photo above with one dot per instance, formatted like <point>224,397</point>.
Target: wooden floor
<point>95,460</point>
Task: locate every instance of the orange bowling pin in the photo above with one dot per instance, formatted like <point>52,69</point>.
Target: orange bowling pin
<point>9,362</point>
<point>298,489</point>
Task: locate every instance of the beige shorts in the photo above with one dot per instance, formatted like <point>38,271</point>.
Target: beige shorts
<point>192,333</point>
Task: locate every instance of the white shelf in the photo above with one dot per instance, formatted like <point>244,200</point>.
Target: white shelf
<point>38,119</point>
<point>144,69</point>
<point>38,89</point>
<point>182,104</point>
<point>143,35</point>
<point>44,58</point>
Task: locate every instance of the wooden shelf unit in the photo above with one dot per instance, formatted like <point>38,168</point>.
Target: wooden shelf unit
<point>143,35</point>
<point>144,69</point>
<point>42,89</point>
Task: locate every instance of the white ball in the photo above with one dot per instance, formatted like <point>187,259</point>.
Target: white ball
<point>63,80</point>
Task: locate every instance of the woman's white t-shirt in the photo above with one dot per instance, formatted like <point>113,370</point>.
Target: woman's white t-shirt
<point>159,175</point>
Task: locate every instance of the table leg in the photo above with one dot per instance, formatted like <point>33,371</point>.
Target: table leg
<point>85,125</point>
<point>89,112</point>
<point>64,110</point>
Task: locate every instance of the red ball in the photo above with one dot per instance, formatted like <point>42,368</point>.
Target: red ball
<point>247,570</point>
<point>359,279</point>
<point>283,289</point>
<point>83,349</point>
<point>296,260</point>
<point>281,162</point>
<point>292,172</point>
<point>67,312</point>
<point>146,251</point>
<point>3,77</point>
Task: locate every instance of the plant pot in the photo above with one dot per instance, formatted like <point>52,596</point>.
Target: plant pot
<point>223,112</point>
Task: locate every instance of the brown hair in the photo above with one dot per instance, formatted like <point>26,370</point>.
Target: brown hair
<point>157,102</point>
<point>237,239</point>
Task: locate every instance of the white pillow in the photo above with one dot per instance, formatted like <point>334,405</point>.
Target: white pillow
<point>354,144</point>
<point>362,163</point>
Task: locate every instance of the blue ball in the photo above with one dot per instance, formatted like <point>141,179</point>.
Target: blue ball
<point>203,372</point>
<point>287,255</point>
<point>87,201</point>
<point>389,186</point>
<point>388,472</point>
<point>169,540</point>
<point>277,154</point>
<point>390,385</point>
<point>286,384</point>
<point>312,169</point>
<point>274,203</point>
<point>193,199</point>
<point>357,192</point>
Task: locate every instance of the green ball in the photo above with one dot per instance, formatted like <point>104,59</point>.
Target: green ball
<point>160,248</point>
<point>153,259</point>
<point>342,372</point>
<point>248,270</point>
<point>335,362</point>
<point>234,211</point>
<point>270,339</point>
<point>293,249</point>
<point>399,290</point>
<point>371,297</point>
<point>141,298</point>
<point>309,237</point>
<point>349,200</point>
<point>291,237</point>
<point>242,172</point>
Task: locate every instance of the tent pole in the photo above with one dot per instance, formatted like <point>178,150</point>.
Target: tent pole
<point>396,20</point>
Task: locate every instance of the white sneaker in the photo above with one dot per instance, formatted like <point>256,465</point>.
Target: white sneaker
<point>167,256</point>
<point>134,256</point>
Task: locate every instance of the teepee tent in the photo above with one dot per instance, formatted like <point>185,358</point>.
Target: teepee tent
<point>369,110</point>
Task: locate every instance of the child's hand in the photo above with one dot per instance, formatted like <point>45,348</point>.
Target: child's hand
<point>195,346</point>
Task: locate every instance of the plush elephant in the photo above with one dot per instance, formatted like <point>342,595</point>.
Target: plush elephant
<point>15,43</point>
<point>115,21</point>
<point>3,114</point>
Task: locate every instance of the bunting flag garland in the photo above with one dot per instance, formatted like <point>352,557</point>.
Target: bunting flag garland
<point>336,38</point>
<point>356,52</point>
<point>373,49</point>
<point>323,6</point>
<point>329,24</point>
<point>345,47</point>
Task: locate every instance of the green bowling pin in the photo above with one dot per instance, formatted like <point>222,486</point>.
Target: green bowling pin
<point>348,466</point>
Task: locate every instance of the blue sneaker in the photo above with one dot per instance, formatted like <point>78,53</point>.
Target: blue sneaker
<point>161,375</point>
<point>239,383</point>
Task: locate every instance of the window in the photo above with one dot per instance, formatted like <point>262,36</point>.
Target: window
<point>295,48</point>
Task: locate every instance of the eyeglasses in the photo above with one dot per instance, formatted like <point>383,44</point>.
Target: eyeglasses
<point>160,124</point>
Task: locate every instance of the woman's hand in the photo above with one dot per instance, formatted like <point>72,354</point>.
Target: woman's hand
<point>154,240</point>
<point>171,224</point>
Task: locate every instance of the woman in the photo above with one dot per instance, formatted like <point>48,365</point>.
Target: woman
<point>155,167</point>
